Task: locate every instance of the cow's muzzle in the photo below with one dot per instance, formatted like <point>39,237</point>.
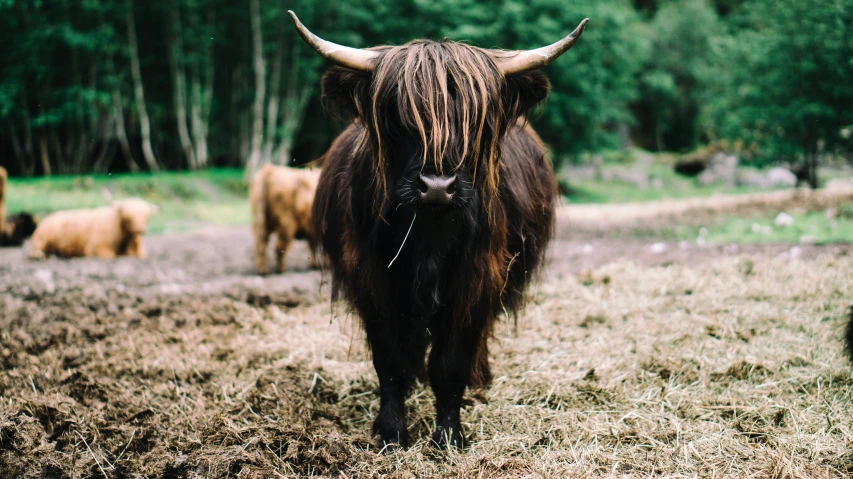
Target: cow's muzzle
<point>436,190</point>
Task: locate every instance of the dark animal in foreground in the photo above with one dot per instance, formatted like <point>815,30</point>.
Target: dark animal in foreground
<point>435,207</point>
<point>17,229</point>
<point>281,199</point>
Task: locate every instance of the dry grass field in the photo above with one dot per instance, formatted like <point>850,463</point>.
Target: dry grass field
<point>714,361</point>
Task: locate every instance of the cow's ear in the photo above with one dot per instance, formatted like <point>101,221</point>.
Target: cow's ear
<point>523,91</point>
<point>346,92</point>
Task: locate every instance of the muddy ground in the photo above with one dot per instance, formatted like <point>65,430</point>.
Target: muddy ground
<point>634,359</point>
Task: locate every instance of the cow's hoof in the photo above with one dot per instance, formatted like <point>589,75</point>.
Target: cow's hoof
<point>448,437</point>
<point>389,446</point>
<point>391,438</point>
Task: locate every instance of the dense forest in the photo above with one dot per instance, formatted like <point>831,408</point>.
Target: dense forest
<point>132,85</point>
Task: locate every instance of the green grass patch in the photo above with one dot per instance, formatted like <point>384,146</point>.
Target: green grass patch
<point>187,199</point>
<point>663,183</point>
<point>815,227</point>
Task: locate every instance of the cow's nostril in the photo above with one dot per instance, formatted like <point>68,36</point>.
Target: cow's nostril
<point>423,186</point>
<point>451,188</point>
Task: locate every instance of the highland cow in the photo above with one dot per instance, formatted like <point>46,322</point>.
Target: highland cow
<point>434,207</point>
<point>281,199</point>
<point>106,232</point>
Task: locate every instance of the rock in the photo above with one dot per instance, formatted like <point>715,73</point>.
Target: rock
<point>722,169</point>
<point>658,248</point>
<point>587,249</point>
<point>793,253</point>
<point>761,229</point>
<point>784,220</point>
<point>839,184</point>
<point>808,239</point>
<point>701,239</point>
<point>781,177</point>
<point>773,178</point>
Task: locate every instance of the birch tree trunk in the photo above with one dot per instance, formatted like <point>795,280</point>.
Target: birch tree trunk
<point>180,95</point>
<point>295,102</point>
<point>138,91</point>
<point>272,106</point>
<point>121,132</point>
<point>201,86</point>
<point>260,83</point>
<point>43,154</point>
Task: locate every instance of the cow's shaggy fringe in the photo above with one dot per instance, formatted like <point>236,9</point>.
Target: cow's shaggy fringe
<point>449,95</point>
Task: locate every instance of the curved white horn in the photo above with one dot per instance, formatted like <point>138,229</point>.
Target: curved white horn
<point>355,58</point>
<point>525,60</point>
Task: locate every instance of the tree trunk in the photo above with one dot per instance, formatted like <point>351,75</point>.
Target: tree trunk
<point>260,84</point>
<point>201,86</point>
<point>272,106</point>
<point>812,166</point>
<point>43,154</point>
<point>57,147</point>
<point>138,91</point>
<point>20,158</point>
<point>121,132</point>
<point>28,131</point>
<point>293,112</point>
<point>180,95</point>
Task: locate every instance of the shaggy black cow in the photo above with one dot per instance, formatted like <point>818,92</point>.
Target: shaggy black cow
<point>435,207</point>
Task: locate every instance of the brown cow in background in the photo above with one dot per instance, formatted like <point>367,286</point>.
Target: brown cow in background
<point>106,232</point>
<point>281,199</point>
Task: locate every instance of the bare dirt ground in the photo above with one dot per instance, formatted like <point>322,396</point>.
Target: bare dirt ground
<point>631,361</point>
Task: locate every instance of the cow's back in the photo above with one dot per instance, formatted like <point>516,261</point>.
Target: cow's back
<point>78,232</point>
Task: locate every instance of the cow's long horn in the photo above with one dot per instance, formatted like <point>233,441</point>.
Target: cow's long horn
<point>354,58</point>
<point>532,59</point>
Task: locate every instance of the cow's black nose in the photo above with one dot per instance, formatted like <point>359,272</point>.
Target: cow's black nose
<point>437,189</point>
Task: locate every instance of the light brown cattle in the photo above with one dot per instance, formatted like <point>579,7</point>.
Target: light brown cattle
<point>105,232</point>
<point>281,199</point>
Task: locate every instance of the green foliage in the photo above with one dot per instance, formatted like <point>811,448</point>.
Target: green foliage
<point>783,78</point>
<point>662,74</point>
<point>681,34</point>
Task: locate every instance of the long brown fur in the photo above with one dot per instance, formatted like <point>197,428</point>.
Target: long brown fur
<point>447,106</point>
<point>281,198</point>
<point>105,232</point>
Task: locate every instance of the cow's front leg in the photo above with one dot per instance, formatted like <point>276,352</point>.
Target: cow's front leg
<point>450,364</point>
<point>390,364</point>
